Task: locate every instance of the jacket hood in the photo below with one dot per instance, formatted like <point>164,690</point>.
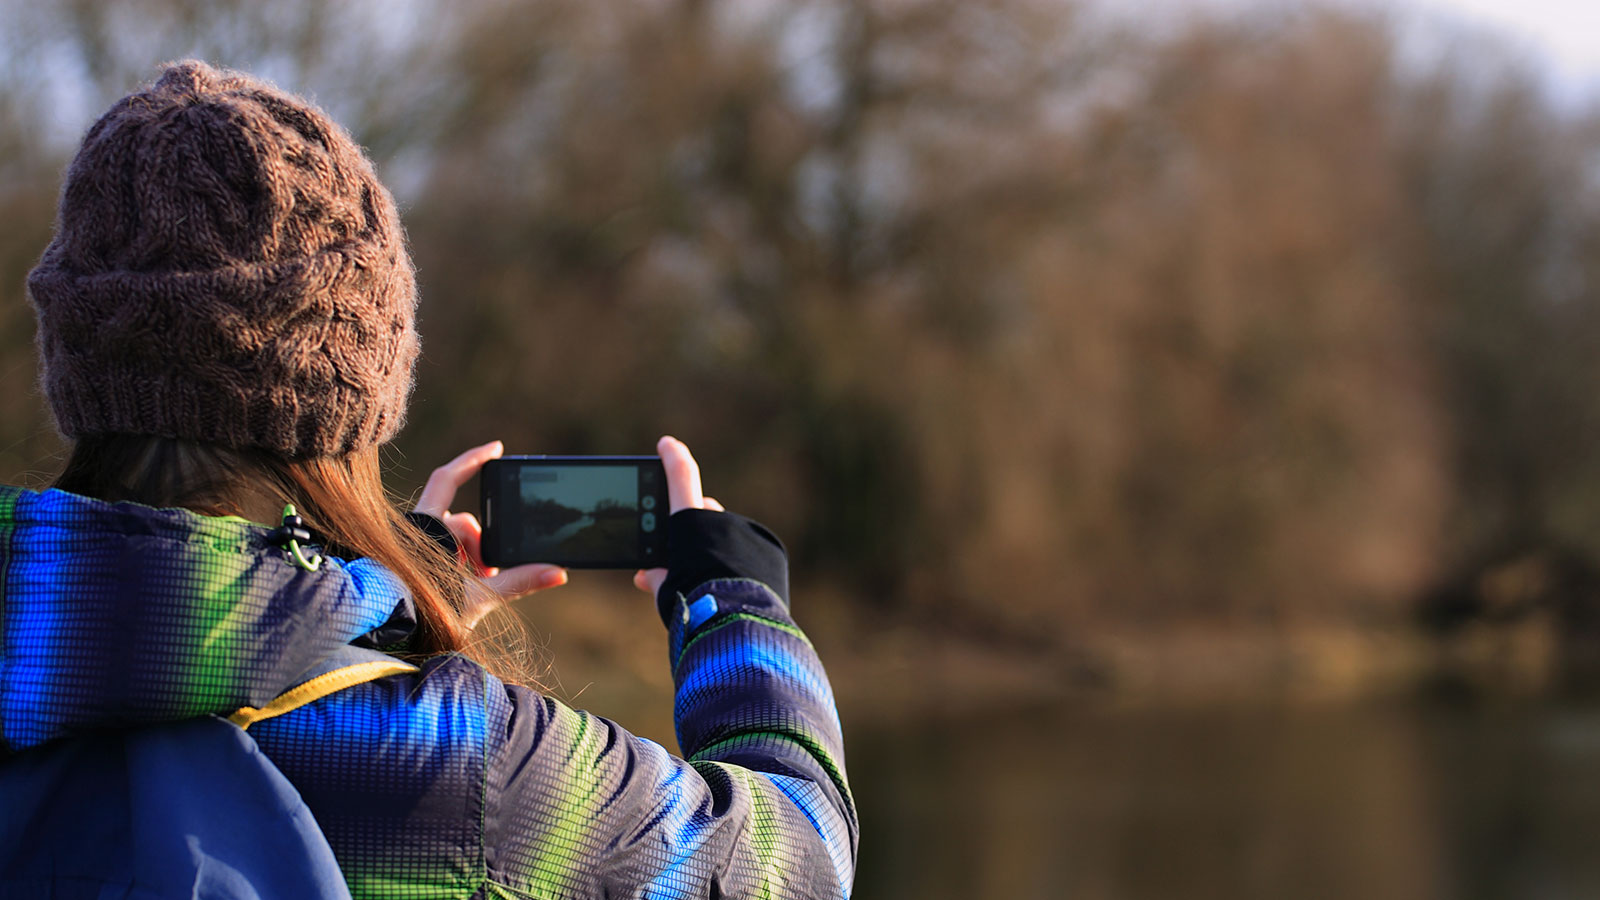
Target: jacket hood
<point>116,614</point>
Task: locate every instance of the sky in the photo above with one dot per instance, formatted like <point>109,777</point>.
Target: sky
<point>1561,36</point>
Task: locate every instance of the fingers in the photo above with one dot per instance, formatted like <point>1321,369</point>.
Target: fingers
<point>469,537</point>
<point>497,588</point>
<point>683,492</point>
<point>440,491</point>
<point>683,475</point>
<point>519,580</point>
<point>649,580</point>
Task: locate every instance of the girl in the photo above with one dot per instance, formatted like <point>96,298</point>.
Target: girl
<point>225,326</point>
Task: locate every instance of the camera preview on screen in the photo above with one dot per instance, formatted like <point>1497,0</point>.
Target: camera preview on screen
<point>584,512</point>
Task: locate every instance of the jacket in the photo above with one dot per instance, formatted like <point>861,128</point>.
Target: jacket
<point>443,782</point>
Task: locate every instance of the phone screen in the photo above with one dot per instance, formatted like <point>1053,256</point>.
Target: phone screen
<point>592,512</point>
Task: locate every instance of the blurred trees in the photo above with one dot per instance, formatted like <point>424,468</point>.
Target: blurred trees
<point>1505,194</point>
<point>1007,320</point>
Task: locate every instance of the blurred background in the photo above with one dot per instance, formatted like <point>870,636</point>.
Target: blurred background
<point>1182,416</point>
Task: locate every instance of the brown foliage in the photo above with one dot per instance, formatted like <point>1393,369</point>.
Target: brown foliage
<point>1004,320</point>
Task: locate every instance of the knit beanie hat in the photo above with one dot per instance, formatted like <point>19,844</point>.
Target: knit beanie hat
<point>226,269</point>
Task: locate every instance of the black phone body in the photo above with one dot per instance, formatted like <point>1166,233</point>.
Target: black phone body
<point>582,512</point>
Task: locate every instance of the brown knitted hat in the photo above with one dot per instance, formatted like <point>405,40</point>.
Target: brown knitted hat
<point>226,269</point>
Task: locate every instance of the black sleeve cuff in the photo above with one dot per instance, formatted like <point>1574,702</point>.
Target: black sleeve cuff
<point>704,544</point>
<point>434,527</point>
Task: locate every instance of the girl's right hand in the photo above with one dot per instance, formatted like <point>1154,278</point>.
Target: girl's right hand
<point>683,492</point>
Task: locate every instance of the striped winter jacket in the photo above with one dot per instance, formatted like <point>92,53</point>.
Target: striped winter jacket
<point>445,782</point>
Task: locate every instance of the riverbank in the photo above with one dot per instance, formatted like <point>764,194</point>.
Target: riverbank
<point>604,652</point>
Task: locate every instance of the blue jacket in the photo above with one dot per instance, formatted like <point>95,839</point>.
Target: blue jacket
<point>445,782</point>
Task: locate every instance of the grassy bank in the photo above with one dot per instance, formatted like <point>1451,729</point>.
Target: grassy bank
<point>603,649</point>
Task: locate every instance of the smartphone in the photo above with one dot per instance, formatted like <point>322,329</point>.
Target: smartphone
<point>582,512</point>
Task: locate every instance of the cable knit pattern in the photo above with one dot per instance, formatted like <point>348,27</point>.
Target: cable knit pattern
<point>227,269</point>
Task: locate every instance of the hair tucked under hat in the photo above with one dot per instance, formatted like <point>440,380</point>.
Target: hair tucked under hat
<point>226,269</point>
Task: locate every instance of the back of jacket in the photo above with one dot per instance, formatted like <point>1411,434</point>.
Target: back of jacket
<point>445,782</point>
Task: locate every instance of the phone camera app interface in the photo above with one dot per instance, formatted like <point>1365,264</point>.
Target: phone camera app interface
<point>578,513</point>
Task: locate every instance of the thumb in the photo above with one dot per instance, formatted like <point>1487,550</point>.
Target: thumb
<point>518,580</point>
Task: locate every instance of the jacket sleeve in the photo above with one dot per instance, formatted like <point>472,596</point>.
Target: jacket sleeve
<point>758,807</point>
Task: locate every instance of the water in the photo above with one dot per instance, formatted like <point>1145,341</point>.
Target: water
<point>555,538</point>
<point>1413,801</point>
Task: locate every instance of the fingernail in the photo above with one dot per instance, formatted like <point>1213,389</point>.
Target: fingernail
<point>551,579</point>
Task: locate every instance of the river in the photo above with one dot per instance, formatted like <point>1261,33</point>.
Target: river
<point>1411,801</point>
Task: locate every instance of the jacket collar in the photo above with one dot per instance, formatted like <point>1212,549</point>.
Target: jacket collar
<point>115,614</point>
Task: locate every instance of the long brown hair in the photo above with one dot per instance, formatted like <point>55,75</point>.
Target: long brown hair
<point>342,500</point>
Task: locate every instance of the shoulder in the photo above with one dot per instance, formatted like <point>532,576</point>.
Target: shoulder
<point>438,704</point>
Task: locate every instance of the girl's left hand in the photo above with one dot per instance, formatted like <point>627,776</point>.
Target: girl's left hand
<point>440,492</point>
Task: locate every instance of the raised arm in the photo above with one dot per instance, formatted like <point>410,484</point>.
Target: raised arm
<point>758,807</point>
